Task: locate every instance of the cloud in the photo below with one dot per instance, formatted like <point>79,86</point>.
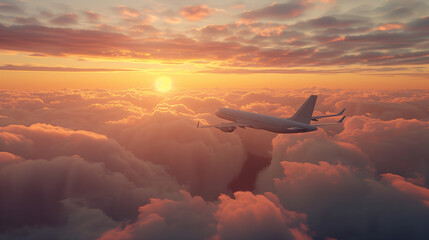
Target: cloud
<point>398,154</point>
<point>132,16</point>
<point>339,174</point>
<point>247,216</point>
<point>407,187</point>
<point>27,21</point>
<point>271,70</point>
<point>216,30</point>
<point>267,39</point>
<point>253,48</point>
<point>277,11</point>
<point>87,43</point>
<point>9,8</point>
<point>384,110</point>
<point>250,216</point>
<point>196,13</point>
<point>420,24</point>
<point>39,141</point>
<point>72,164</point>
<point>390,26</point>
<point>346,199</point>
<point>12,67</point>
<point>81,222</point>
<point>330,22</point>
<point>205,161</point>
<point>92,16</point>
<point>305,149</point>
<point>134,162</point>
<point>65,19</point>
<point>172,20</point>
<point>398,10</point>
<point>238,6</point>
<point>144,29</point>
<point>7,158</point>
<point>186,218</point>
<point>126,12</point>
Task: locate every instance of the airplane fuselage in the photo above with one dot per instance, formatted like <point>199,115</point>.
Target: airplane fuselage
<point>269,123</point>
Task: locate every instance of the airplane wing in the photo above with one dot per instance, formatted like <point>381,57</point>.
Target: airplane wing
<point>224,125</point>
<point>331,123</point>
<point>333,115</point>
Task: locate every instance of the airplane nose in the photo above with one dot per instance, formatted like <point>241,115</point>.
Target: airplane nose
<point>217,113</point>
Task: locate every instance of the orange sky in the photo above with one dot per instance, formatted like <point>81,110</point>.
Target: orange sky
<point>120,80</point>
<point>291,44</point>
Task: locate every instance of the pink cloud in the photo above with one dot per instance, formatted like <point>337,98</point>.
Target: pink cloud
<point>196,13</point>
<point>398,154</point>
<point>132,16</point>
<point>7,158</point>
<point>250,216</point>
<point>408,188</point>
<point>167,219</point>
<point>63,168</point>
<point>92,16</point>
<point>173,20</point>
<point>144,29</point>
<point>102,154</point>
<point>205,161</point>
<point>216,30</point>
<point>248,52</point>
<point>348,173</point>
<point>390,26</point>
<point>127,12</point>
<point>86,43</point>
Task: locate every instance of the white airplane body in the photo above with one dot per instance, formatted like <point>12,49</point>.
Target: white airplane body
<point>299,122</point>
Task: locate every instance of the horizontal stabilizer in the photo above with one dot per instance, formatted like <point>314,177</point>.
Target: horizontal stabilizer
<point>315,118</point>
<point>330,123</point>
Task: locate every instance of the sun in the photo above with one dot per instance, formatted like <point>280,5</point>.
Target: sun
<point>163,84</point>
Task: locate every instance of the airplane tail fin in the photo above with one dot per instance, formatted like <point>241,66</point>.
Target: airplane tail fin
<point>305,112</point>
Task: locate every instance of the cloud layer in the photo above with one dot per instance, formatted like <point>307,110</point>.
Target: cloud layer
<point>263,38</point>
<point>131,164</point>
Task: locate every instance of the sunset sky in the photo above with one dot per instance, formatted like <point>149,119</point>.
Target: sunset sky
<point>100,103</point>
<point>285,44</point>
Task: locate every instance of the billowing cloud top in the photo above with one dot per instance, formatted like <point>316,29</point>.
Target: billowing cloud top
<point>130,164</point>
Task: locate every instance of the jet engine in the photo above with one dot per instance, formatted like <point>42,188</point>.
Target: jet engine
<point>227,129</point>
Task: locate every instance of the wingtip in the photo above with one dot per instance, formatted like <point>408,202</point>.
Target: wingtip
<point>342,119</point>
<point>198,124</point>
<point>342,111</point>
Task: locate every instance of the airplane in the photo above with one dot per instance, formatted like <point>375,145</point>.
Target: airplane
<point>298,123</point>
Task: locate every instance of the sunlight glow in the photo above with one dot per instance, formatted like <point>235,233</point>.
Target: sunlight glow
<point>163,84</point>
